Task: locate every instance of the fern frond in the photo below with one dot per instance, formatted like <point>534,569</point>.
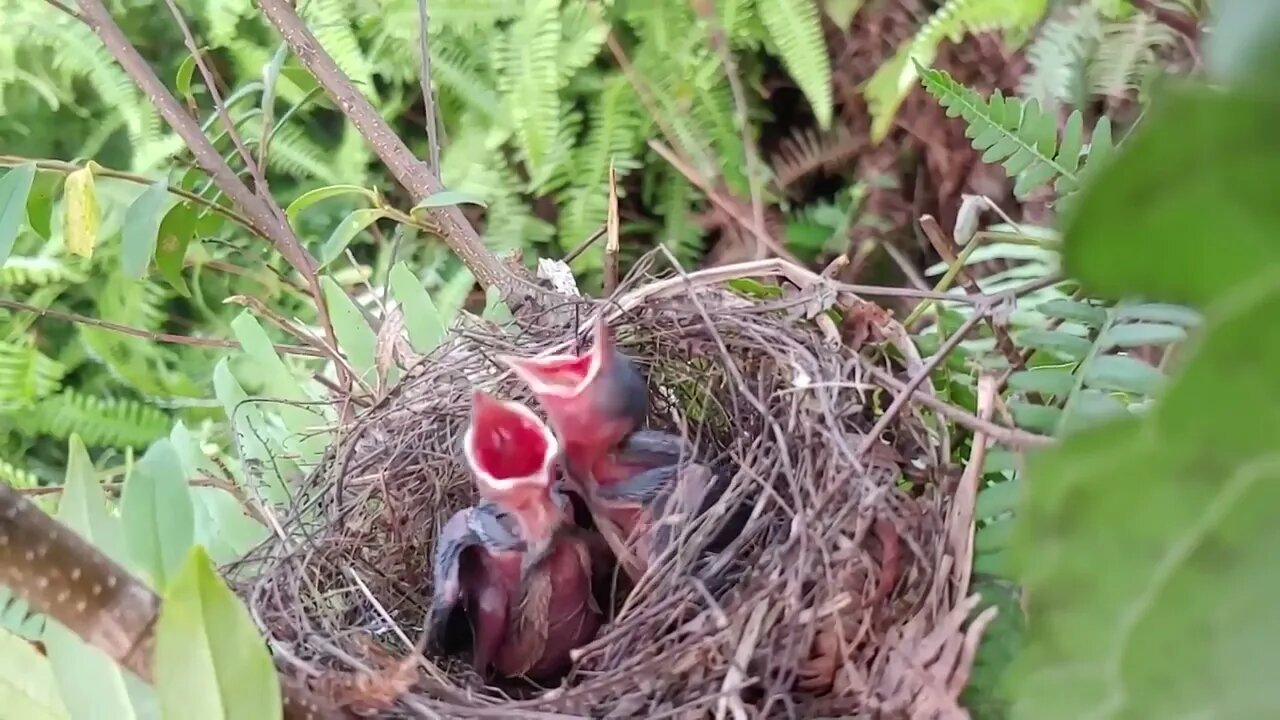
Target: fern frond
<point>1058,56</point>
<point>26,374</point>
<point>888,87</point>
<point>613,137</point>
<point>330,21</point>
<point>37,271</point>
<point>1126,53</point>
<point>796,31</point>
<point>527,54</point>
<point>1020,136</point>
<point>113,422</point>
<point>16,476</point>
<point>807,151</point>
<point>581,39</point>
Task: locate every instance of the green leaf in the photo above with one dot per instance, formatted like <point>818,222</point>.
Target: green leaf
<point>141,226</point>
<point>1244,46</point>
<point>40,202</point>
<point>841,12</point>
<point>173,238</point>
<point>1140,334</point>
<point>156,511</point>
<point>495,310</point>
<point>182,80</point>
<point>311,197</point>
<point>1071,346</point>
<point>14,188</point>
<point>223,525</point>
<point>796,31</point>
<point>445,198</point>
<point>1075,311</point>
<point>1037,418</point>
<point>425,325</point>
<point>300,418</point>
<point>1147,547</point>
<point>1088,408</point>
<point>211,664</point>
<point>1050,381</point>
<point>27,686</point>
<point>1159,313</point>
<point>356,339</point>
<point>1161,186</point>
<point>90,683</point>
<point>265,473</point>
<point>346,231</point>
<point>1124,374</point>
<point>80,213</point>
<point>994,535</point>
<point>998,499</point>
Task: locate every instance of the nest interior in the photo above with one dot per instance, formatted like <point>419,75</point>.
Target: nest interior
<point>845,592</point>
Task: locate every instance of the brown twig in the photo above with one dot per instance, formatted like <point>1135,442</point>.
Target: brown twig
<point>147,334</point>
<point>59,574</point>
<point>872,438</point>
<point>428,93</point>
<point>943,245</point>
<point>612,241</point>
<point>516,287</point>
<point>68,167</point>
<point>721,45</point>
<point>717,198</point>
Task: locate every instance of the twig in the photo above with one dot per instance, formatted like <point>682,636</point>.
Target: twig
<point>585,244</point>
<point>942,244</point>
<point>1009,437</point>
<point>220,107</point>
<point>721,46</point>
<point>612,241</point>
<point>717,198</point>
<point>963,503</point>
<point>59,574</point>
<point>98,170</point>
<point>515,285</point>
<point>872,438</point>
<point>428,94</point>
<point>265,214</point>
<point>147,334</point>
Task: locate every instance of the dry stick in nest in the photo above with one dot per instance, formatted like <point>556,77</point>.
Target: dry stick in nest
<point>62,576</point>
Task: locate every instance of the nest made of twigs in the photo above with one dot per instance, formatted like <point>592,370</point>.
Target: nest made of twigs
<point>845,593</point>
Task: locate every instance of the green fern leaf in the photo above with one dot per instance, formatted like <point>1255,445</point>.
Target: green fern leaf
<point>1126,53</point>
<point>26,374</point>
<point>527,56</point>
<point>1019,135</point>
<point>1058,57</point>
<point>796,31</point>
<point>113,422</point>
<point>894,79</point>
<point>16,476</point>
<point>27,271</point>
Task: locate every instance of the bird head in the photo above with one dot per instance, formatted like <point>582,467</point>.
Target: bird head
<point>512,454</point>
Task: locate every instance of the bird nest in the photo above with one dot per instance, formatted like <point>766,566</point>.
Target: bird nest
<point>844,594</point>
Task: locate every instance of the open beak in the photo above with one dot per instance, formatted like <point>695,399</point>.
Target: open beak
<point>512,454</point>
<point>563,377</point>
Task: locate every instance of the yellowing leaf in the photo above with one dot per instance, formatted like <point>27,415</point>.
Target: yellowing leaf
<point>80,213</point>
<point>211,663</point>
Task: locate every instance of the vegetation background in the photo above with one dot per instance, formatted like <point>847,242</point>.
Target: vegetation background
<point>934,145</point>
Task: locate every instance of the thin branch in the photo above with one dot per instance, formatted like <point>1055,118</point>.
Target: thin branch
<point>60,575</point>
<point>516,286</point>
<point>721,45</point>
<point>99,171</point>
<point>220,107</point>
<point>717,198</point>
<point>160,337</point>
<point>872,437</point>
<point>428,93</point>
<point>265,214</point>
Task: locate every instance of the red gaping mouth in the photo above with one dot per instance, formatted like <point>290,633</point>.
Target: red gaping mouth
<point>563,376</point>
<point>507,442</point>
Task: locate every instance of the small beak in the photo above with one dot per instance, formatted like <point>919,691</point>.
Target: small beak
<point>512,454</point>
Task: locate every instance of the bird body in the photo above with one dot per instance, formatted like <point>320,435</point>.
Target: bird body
<point>522,583</point>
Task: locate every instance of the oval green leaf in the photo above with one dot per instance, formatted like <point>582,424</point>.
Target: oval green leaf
<point>1074,311</point>
<point>355,339</point>
<point>14,188</point>
<point>1050,381</point>
<point>175,235</point>
<point>1066,344</point>
<point>421,316</point>
<point>141,227</point>
<point>211,663</point>
<point>311,197</point>
<point>346,231</point>
<point>40,202</point>
<point>80,213</point>
<point>445,198</point>
<point>1124,374</point>
<point>1140,334</point>
<point>156,511</point>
